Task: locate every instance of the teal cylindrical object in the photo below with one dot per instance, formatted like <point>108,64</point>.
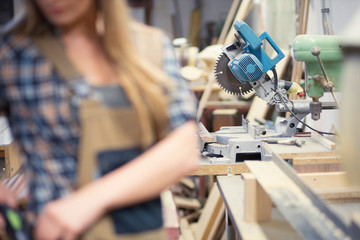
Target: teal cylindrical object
<point>330,55</point>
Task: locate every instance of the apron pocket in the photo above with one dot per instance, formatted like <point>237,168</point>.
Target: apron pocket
<point>141,217</point>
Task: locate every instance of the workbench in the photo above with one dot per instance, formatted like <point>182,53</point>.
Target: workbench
<point>317,164</point>
<point>9,157</point>
<point>313,156</point>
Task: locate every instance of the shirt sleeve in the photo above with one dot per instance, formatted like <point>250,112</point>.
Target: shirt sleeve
<point>3,102</point>
<point>182,106</point>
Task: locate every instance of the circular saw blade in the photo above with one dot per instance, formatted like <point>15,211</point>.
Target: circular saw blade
<point>227,80</point>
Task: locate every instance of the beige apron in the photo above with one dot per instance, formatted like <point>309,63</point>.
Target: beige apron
<point>104,129</point>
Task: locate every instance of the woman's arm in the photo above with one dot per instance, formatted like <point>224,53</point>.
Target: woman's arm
<point>141,179</point>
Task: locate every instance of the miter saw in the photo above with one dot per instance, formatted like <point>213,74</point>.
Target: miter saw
<point>241,68</point>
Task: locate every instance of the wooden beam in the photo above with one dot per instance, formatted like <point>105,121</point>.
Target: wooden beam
<point>339,195</point>
<point>188,203</point>
<point>257,203</point>
<point>217,226</point>
<point>313,168</point>
<point>209,214</point>
<point>288,155</point>
<point>317,164</point>
<point>244,9</point>
<point>220,169</point>
<point>228,21</point>
<point>293,202</point>
<point>298,66</point>
<point>186,181</point>
<point>185,229</point>
<point>316,160</point>
<point>325,180</point>
<point>323,141</point>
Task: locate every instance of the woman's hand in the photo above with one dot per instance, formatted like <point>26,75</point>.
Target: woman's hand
<point>7,198</point>
<point>68,217</point>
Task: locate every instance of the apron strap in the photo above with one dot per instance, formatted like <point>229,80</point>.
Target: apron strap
<point>52,49</point>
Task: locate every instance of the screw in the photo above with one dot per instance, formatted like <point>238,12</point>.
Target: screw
<point>315,51</point>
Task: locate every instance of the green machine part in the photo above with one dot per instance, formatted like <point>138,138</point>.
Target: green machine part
<point>330,55</point>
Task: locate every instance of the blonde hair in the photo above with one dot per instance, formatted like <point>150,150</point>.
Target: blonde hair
<point>143,83</point>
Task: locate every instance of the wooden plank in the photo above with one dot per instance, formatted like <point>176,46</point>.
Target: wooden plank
<point>194,26</point>
<point>186,181</point>
<point>292,201</point>
<point>209,214</point>
<point>257,203</point>
<point>188,203</point>
<point>229,19</point>
<point>311,157</point>
<point>334,187</point>
<point>289,155</point>
<point>195,215</point>
<point>308,149</point>
<point>8,149</point>
<point>232,190</point>
<point>323,141</point>
<point>316,160</point>
<point>313,168</point>
<point>169,210</point>
<point>325,180</point>
<point>258,110</point>
<point>298,66</point>
<point>244,9</point>
<point>217,226</point>
<point>14,159</point>
<point>205,96</point>
<point>220,169</point>
<point>317,164</point>
<point>348,194</point>
<point>185,229</point>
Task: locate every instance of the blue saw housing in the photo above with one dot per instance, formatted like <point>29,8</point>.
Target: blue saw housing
<point>249,65</point>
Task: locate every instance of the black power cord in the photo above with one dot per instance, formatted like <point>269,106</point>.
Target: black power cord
<point>315,130</point>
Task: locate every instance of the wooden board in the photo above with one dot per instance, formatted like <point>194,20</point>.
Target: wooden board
<point>188,203</point>
<point>298,66</point>
<point>8,150</point>
<point>209,215</point>
<point>244,9</point>
<point>257,204</point>
<point>334,187</point>
<point>169,210</point>
<point>325,180</point>
<point>218,224</point>
<point>234,7</point>
<point>207,168</point>
<point>292,201</point>
<point>232,191</point>
<point>323,141</point>
<point>185,229</point>
<point>311,157</point>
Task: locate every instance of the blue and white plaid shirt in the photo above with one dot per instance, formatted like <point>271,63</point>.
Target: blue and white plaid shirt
<point>41,119</point>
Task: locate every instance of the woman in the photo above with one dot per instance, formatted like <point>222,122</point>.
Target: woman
<point>47,118</point>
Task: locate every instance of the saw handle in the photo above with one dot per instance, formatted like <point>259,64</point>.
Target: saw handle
<point>280,55</point>
<point>248,35</point>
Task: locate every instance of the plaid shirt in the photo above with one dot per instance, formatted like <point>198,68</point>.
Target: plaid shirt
<point>41,118</point>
